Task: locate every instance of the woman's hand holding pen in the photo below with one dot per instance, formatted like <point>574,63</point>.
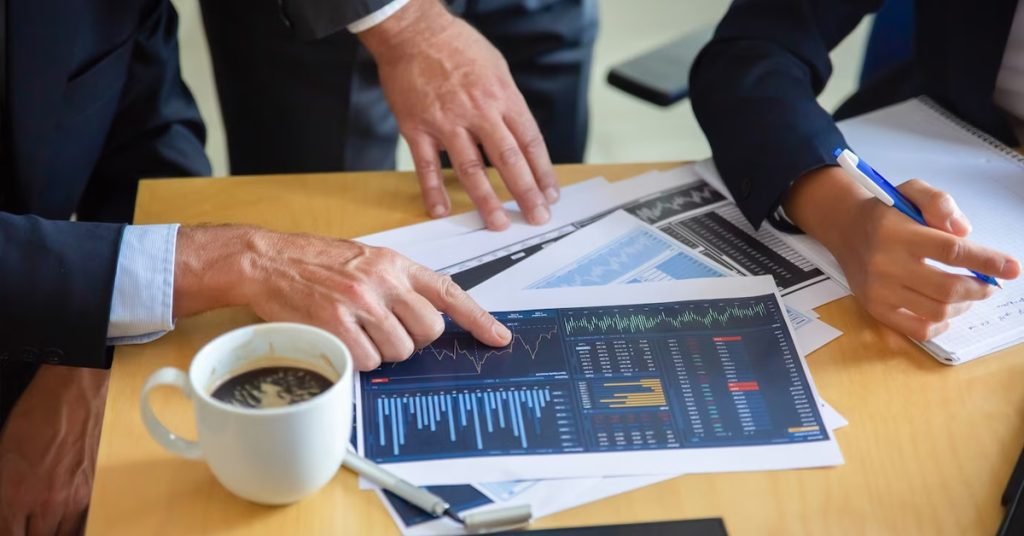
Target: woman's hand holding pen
<point>882,252</point>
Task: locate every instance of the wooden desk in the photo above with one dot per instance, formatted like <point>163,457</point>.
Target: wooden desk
<point>928,449</point>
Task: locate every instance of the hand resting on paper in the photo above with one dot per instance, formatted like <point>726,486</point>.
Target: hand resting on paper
<point>451,90</point>
<point>882,252</point>
<point>380,304</point>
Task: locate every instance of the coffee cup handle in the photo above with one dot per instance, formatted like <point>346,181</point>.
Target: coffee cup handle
<point>170,377</point>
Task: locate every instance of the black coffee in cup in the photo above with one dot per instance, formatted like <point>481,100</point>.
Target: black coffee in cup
<point>273,386</point>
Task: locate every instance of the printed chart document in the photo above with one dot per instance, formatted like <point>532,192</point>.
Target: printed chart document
<point>702,217</point>
<point>621,249</point>
<point>671,377</point>
<point>678,203</point>
<point>546,497</point>
<point>616,249</point>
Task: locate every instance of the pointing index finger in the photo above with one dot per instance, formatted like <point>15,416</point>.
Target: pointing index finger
<point>450,299</point>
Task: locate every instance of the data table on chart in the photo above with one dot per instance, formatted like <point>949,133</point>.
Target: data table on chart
<point>676,375</point>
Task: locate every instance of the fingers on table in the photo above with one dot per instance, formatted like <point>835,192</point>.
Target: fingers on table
<point>469,166</point>
<point>506,154</point>
<point>529,138</point>
<point>425,155</point>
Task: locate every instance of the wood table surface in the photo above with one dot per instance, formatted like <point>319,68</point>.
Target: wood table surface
<point>928,448</point>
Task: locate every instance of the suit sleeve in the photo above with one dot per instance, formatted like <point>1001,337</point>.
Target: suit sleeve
<point>57,277</point>
<point>313,19</point>
<point>56,280</point>
<point>754,89</point>
<point>157,130</point>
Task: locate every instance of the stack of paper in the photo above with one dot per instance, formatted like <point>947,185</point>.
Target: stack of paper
<point>600,299</point>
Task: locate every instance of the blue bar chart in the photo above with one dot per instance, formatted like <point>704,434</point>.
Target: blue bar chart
<point>484,420</point>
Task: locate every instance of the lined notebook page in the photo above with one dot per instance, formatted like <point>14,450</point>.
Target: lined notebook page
<point>915,139</point>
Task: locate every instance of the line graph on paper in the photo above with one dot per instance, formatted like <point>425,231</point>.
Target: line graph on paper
<point>675,202</point>
<point>668,318</point>
<point>619,258</point>
<point>535,350</point>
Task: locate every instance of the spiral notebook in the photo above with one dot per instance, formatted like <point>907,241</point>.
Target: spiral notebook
<point>919,139</point>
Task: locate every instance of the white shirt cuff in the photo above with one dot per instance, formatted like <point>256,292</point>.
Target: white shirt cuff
<point>780,213</point>
<point>142,306</point>
<point>376,17</point>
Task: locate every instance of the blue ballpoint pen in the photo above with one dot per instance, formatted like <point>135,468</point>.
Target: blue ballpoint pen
<point>874,182</point>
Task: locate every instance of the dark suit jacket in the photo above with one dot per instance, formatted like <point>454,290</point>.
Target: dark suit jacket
<point>753,87</point>
<point>313,19</point>
<point>94,102</point>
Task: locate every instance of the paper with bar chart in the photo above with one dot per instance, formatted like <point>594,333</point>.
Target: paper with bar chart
<point>670,377</point>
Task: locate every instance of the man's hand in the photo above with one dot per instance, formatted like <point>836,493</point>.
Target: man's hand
<point>48,452</point>
<point>882,252</point>
<point>382,305</point>
<point>451,90</point>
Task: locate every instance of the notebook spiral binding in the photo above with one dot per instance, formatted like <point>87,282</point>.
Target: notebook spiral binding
<point>993,143</point>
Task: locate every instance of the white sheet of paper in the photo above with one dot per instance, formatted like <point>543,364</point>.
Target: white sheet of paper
<point>460,470</point>
<point>466,222</point>
<point>485,244</point>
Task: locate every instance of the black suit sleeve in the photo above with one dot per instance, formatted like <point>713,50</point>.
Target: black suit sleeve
<point>56,281</point>
<point>754,90</point>
<point>157,130</point>
<point>313,19</point>
<point>57,277</point>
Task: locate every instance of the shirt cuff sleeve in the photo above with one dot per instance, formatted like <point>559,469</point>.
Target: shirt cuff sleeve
<point>376,17</point>
<point>142,306</point>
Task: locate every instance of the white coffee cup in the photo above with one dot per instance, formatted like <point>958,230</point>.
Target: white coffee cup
<point>266,455</point>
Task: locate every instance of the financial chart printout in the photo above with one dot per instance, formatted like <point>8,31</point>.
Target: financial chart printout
<point>677,375</point>
<point>690,212</point>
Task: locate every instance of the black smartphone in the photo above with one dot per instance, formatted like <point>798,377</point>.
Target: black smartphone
<point>688,527</point>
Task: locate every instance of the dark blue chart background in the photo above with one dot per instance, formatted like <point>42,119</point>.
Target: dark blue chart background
<point>674,375</point>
